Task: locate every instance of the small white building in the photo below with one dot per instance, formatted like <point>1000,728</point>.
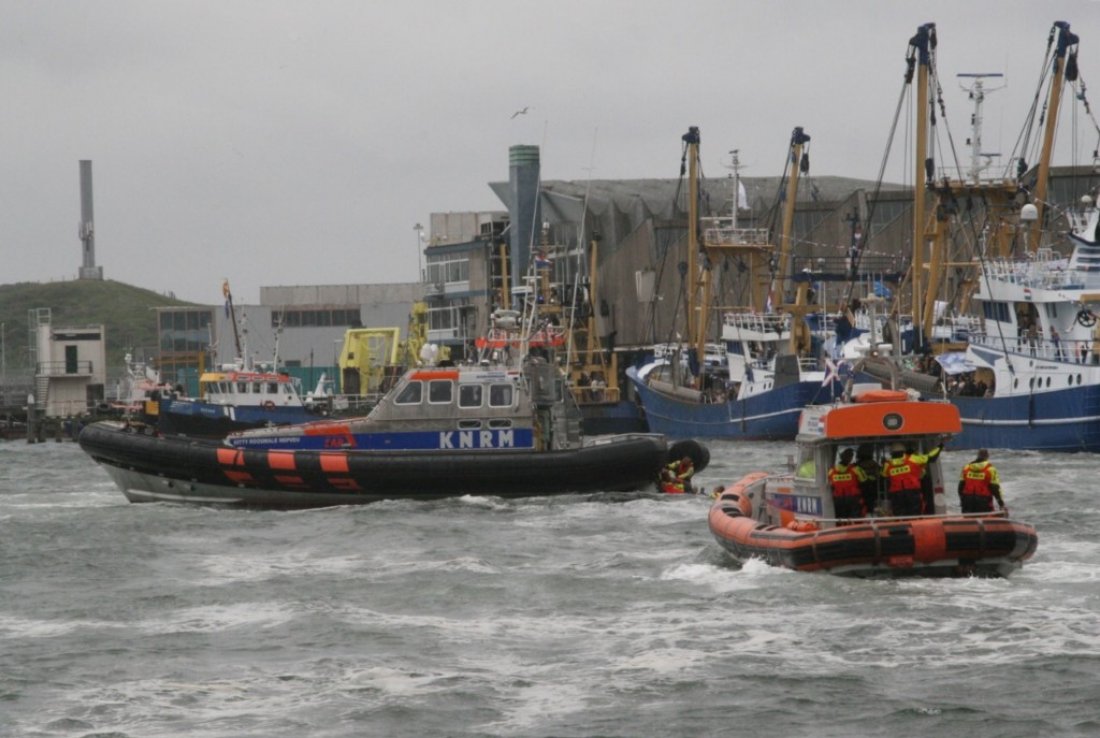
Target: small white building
<point>70,369</point>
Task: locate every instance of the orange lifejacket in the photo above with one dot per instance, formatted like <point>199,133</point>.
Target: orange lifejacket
<point>976,478</point>
<point>904,473</point>
<point>844,481</point>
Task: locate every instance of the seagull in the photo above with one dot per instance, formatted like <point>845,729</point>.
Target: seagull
<point>521,112</point>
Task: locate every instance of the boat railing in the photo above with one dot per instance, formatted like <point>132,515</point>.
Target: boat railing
<point>1046,270</point>
<point>808,364</point>
<point>721,232</point>
<point>757,322</point>
<point>1066,350</point>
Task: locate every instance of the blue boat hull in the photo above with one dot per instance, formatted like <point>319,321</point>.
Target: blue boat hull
<point>770,416</point>
<point>1063,420</point>
<point>206,420</point>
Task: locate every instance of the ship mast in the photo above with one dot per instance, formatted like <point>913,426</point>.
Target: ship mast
<point>798,163</point>
<point>1065,68</point>
<point>920,51</point>
<point>698,276</point>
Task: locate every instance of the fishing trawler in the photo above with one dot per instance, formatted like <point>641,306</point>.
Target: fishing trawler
<point>1040,347</point>
<point>770,368</point>
<point>505,425</point>
<point>790,519</point>
<point>235,396</point>
<point>1025,371</point>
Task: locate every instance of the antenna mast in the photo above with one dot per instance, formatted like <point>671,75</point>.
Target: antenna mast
<point>979,160</point>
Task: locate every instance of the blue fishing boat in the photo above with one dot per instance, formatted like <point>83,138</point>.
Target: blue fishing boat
<point>232,397</point>
<point>1027,375</point>
<point>772,363</point>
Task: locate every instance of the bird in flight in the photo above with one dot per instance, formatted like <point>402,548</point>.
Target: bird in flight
<point>521,112</point>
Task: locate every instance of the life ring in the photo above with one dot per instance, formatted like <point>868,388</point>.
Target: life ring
<point>269,405</point>
<point>697,452</point>
<point>1086,318</point>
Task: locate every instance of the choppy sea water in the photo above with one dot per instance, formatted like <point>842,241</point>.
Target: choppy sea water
<point>593,615</point>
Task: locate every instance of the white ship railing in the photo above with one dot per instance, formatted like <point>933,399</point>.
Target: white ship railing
<point>721,232</point>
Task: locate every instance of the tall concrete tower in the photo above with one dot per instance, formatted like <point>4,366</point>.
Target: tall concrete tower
<point>88,269</point>
<point>526,215</point>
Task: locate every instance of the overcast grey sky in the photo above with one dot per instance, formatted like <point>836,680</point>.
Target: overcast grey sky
<point>275,142</point>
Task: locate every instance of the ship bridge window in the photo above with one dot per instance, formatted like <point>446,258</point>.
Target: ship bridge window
<point>995,311</point>
<point>469,395</point>
<point>272,388</point>
<point>500,395</point>
<point>410,395</point>
<point>439,391</point>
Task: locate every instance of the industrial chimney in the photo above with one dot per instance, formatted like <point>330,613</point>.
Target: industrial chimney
<point>88,269</point>
<point>525,213</point>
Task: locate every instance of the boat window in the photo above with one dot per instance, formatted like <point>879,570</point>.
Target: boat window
<point>1078,379</point>
<point>469,395</point>
<point>500,395</point>
<point>242,387</point>
<point>257,387</point>
<point>273,388</point>
<point>439,391</point>
<point>410,395</point>
<point>807,465</point>
<point>1048,381</point>
<point>500,423</point>
<point>469,424</point>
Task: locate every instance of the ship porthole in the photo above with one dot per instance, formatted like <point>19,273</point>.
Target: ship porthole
<point>892,421</point>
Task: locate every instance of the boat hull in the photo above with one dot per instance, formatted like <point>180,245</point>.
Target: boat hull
<point>769,416</point>
<point>148,467</point>
<point>612,418</point>
<point>930,546</point>
<point>207,420</point>
<point>1062,420</point>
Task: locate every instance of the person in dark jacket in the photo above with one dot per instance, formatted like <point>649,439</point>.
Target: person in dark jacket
<point>872,473</point>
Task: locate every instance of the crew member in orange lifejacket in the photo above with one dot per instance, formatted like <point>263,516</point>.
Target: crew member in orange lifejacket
<point>676,477</point>
<point>903,473</point>
<point>845,479</point>
<point>979,484</point>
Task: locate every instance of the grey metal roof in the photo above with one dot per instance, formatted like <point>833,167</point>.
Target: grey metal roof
<point>659,198</point>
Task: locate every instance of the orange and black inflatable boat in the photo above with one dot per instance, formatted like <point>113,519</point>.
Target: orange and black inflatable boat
<point>790,519</point>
